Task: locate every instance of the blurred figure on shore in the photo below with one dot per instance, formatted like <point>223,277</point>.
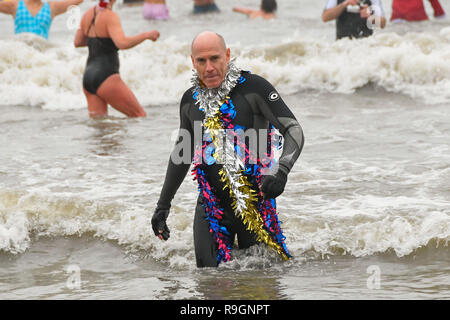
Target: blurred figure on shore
<point>354,18</point>
<point>205,6</point>
<point>155,10</point>
<point>266,10</point>
<point>414,10</point>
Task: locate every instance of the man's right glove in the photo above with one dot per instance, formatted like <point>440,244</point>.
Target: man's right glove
<point>159,225</point>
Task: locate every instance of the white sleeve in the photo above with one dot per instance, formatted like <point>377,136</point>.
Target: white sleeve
<point>377,6</point>
<point>330,4</point>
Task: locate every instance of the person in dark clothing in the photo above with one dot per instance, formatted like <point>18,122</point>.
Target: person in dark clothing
<point>354,18</point>
<point>235,195</point>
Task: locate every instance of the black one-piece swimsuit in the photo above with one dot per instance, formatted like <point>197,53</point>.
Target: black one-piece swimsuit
<point>102,62</point>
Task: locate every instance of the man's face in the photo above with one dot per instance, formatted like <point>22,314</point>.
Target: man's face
<point>210,58</point>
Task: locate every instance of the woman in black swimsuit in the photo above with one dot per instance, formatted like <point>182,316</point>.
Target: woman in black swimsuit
<point>101,31</point>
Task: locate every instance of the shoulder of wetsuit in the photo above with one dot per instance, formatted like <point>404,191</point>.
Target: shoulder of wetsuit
<point>256,84</point>
<point>252,81</point>
<point>188,96</point>
<point>187,102</point>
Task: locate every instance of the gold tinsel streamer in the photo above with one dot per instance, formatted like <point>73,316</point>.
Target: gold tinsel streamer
<point>250,216</point>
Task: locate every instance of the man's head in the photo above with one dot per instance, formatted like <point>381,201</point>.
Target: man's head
<point>210,58</point>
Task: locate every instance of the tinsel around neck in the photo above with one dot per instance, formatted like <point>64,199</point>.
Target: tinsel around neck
<point>208,98</point>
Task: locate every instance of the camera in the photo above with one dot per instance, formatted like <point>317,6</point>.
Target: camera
<point>353,9</point>
<point>356,8</point>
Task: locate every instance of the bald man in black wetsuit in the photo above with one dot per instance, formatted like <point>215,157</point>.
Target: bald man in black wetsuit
<point>257,105</point>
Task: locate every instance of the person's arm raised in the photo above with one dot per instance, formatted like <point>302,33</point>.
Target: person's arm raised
<point>8,7</point>
<point>121,41</point>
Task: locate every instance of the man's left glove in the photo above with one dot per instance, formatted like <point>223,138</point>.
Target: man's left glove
<point>159,225</point>
<point>273,186</point>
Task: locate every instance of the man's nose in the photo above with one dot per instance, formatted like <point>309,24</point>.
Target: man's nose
<point>209,66</point>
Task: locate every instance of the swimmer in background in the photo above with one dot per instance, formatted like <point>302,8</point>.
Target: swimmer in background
<point>414,10</point>
<point>155,10</point>
<point>266,11</point>
<point>205,6</point>
<point>101,31</point>
<point>35,16</point>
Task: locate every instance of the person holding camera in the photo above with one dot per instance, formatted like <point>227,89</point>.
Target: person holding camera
<point>354,18</point>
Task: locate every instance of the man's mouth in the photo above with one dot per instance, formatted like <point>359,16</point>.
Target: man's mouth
<point>210,77</point>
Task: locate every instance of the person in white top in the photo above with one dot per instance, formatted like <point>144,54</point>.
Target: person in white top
<point>355,18</point>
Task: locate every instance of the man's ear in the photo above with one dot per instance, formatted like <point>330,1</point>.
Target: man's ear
<point>192,58</point>
<point>228,54</point>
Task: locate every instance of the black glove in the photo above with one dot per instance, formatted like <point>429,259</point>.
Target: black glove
<point>273,186</point>
<point>159,225</point>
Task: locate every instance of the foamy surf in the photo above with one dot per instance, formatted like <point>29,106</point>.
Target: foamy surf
<point>27,217</point>
<point>33,72</point>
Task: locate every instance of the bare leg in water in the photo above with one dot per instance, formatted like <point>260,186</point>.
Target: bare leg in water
<point>115,92</point>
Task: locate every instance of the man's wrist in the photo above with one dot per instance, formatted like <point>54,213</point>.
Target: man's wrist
<point>283,169</point>
<point>162,206</point>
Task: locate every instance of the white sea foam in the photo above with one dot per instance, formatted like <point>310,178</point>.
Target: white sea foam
<point>34,72</point>
<point>360,227</point>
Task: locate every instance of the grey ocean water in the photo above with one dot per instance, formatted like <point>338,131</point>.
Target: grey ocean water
<point>367,207</point>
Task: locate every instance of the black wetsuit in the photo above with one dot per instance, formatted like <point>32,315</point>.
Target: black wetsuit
<point>257,104</point>
<point>351,25</point>
<point>102,62</point>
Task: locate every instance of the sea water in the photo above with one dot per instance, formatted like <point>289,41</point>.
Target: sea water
<point>366,210</point>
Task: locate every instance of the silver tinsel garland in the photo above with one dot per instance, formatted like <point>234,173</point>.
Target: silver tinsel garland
<point>210,101</point>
